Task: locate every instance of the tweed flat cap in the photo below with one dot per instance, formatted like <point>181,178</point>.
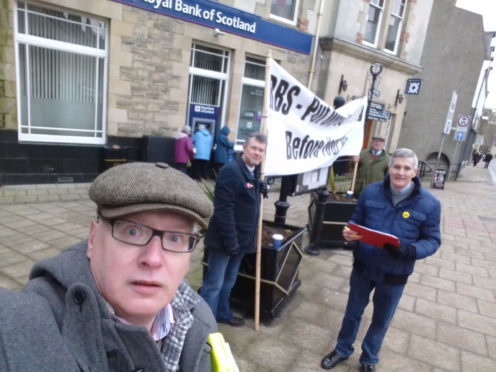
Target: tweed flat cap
<point>138,187</point>
<point>377,138</point>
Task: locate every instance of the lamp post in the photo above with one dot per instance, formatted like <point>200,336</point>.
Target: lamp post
<point>375,70</point>
<point>464,151</point>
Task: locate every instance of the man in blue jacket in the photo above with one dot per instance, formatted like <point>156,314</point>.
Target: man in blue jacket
<point>222,148</point>
<point>232,229</point>
<point>399,206</point>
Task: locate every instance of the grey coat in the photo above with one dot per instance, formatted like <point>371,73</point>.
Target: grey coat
<point>59,322</point>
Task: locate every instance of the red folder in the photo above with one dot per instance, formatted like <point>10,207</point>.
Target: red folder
<point>374,237</point>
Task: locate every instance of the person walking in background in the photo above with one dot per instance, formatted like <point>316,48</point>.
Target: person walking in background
<point>400,206</point>
<point>183,149</point>
<point>202,141</point>
<point>233,227</point>
<point>476,157</point>
<point>372,165</point>
<point>487,159</point>
<point>223,145</point>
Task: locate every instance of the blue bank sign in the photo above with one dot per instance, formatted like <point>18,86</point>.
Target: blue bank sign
<point>225,18</point>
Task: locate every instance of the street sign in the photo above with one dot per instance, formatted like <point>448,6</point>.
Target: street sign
<point>376,112</point>
<point>459,136</point>
<point>377,106</point>
<point>463,123</point>
<point>451,111</point>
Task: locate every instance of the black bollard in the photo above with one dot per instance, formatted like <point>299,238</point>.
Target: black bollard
<point>287,188</point>
<point>315,235</point>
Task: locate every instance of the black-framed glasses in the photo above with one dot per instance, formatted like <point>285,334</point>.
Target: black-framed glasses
<point>134,233</point>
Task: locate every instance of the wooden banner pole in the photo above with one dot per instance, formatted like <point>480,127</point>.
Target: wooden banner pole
<point>258,262</point>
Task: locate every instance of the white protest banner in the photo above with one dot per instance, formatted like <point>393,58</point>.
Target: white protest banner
<point>305,133</point>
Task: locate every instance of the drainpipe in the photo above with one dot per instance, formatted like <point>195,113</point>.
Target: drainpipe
<point>316,45</point>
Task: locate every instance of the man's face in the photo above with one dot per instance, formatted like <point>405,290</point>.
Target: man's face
<point>253,152</point>
<point>377,145</point>
<point>401,173</point>
<point>138,281</point>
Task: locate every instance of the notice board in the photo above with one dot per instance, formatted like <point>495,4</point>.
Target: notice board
<point>439,179</point>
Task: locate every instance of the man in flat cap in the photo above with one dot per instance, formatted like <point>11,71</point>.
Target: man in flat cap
<point>373,165</point>
<point>117,301</point>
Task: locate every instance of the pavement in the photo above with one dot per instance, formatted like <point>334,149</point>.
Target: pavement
<point>446,320</point>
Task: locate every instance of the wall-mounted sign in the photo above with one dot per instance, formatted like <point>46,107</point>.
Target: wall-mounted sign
<point>413,86</point>
<point>377,112</point>
<point>214,15</point>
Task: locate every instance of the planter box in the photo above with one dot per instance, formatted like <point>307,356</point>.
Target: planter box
<point>279,276</point>
<point>335,215</point>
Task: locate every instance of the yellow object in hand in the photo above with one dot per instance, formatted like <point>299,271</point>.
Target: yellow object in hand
<point>222,358</point>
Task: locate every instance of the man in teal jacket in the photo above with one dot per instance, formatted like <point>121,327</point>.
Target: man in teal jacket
<point>117,302</point>
<point>399,206</point>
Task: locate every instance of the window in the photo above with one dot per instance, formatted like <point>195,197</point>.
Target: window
<point>394,27</point>
<point>208,81</point>
<point>374,19</point>
<point>252,91</point>
<point>62,71</point>
<point>209,68</point>
<point>284,10</point>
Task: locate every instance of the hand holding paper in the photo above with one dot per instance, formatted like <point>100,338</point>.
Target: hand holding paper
<point>373,237</point>
<point>350,235</point>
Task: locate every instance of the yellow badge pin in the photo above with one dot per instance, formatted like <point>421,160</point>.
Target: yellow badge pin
<point>406,214</point>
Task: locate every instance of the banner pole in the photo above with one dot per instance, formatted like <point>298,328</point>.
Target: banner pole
<point>258,262</point>
<point>354,177</point>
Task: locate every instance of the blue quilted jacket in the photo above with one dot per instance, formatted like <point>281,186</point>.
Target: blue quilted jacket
<point>415,221</point>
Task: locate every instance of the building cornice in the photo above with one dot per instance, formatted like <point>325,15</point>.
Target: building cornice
<point>369,54</point>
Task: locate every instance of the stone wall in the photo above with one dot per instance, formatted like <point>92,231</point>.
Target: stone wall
<point>8,110</point>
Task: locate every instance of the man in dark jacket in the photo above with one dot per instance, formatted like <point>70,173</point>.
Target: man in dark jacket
<point>399,206</point>
<point>232,229</point>
<point>117,302</point>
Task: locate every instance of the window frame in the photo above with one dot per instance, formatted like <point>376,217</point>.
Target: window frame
<point>400,27</point>
<point>238,143</point>
<point>96,136</point>
<point>287,20</point>
<point>222,76</point>
<point>379,22</point>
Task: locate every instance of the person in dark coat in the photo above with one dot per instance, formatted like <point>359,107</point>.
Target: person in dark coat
<point>233,227</point>
<point>476,157</point>
<point>398,205</point>
<point>222,146</point>
<point>487,159</point>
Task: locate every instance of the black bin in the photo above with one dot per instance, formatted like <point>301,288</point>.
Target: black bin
<point>279,277</point>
